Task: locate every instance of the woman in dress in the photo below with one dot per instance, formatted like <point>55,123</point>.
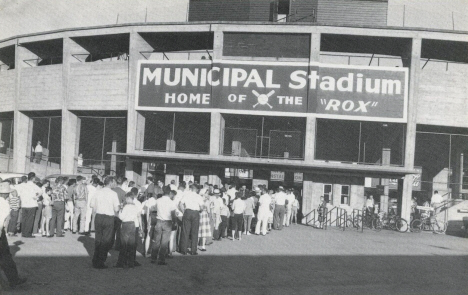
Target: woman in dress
<point>204,230</point>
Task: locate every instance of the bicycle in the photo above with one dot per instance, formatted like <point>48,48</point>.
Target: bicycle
<point>428,222</point>
<point>372,221</point>
<point>354,222</point>
<point>393,222</point>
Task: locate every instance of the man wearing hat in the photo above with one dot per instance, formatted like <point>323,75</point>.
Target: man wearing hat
<point>216,203</point>
<point>6,261</point>
<point>280,209</point>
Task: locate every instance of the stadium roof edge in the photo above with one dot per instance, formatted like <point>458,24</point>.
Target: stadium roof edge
<point>416,29</point>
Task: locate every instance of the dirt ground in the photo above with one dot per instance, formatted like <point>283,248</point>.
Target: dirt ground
<point>296,260</point>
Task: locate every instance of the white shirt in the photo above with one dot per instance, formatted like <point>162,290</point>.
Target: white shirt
<point>296,203</point>
<point>176,200</point>
<point>238,206</point>
<point>28,193</point>
<point>436,198</point>
<point>265,201</point>
<point>165,206</point>
<point>192,201</point>
<point>280,198</point>
<point>38,149</point>
<point>46,199</point>
<point>217,204</point>
<point>290,198</point>
<point>4,210</point>
<point>91,191</point>
<point>231,193</point>
<point>105,202</point>
<point>370,203</point>
<point>149,204</point>
<point>138,205</point>
<point>224,210</point>
<point>130,213</point>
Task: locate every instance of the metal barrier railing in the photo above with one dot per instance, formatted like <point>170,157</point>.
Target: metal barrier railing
<point>101,56</point>
<point>312,217</point>
<point>178,55</point>
<point>36,62</point>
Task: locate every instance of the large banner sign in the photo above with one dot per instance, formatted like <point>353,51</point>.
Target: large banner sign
<point>330,91</point>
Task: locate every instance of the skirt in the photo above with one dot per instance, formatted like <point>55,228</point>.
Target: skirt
<point>204,231</point>
<point>47,212</point>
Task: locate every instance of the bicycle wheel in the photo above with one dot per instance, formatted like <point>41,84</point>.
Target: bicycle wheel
<point>377,224</point>
<point>401,225</point>
<point>415,226</point>
<point>392,223</point>
<point>439,227</point>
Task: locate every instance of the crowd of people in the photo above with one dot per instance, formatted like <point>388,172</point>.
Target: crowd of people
<point>157,219</point>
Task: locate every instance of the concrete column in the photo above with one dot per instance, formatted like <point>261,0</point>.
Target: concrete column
<point>415,69</point>
<point>70,141</point>
<point>309,153</point>
<point>307,197</point>
<point>217,123</point>
<point>386,154</point>
<point>218,45</point>
<point>137,44</point>
<point>21,141</point>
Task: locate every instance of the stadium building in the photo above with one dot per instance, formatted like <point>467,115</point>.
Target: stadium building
<point>318,95</point>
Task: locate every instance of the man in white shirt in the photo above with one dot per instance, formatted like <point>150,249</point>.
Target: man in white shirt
<point>263,213</point>
<point>28,193</point>
<point>38,152</point>
<point>130,221</point>
<point>191,206</point>
<point>90,215</point>
<point>165,208</point>
<point>436,201</point>
<point>287,216</point>
<point>6,260</point>
<point>106,205</point>
<point>280,208</point>
<point>238,207</point>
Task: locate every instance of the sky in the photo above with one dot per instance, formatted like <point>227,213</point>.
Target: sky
<point>28,16</point>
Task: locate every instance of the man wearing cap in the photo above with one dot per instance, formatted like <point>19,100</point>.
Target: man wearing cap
<point>280,199</point>
<point>6,261</point>
<point>29,192</point>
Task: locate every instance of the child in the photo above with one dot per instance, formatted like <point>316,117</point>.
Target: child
<point>322,211</point>
<point>46,212</point>
<point>130,222</point>
<point>224,213</point>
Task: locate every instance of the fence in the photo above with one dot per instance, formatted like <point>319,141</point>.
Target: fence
<point>101,56</point>
<point>37,62</point>
<point>178,55</point>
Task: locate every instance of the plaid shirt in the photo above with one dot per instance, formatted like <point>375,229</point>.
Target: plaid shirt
<point>59,193</point>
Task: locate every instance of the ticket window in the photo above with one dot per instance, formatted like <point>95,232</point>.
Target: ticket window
<point>345,197</point>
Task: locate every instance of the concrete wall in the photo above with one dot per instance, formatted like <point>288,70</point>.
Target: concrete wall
<point>443,98</point>
<point>7,90</point>
<point>41,88</point>
<point>98,86</point>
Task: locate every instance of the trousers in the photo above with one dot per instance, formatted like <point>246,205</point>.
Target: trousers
<point>79,212</point>
<point>247,222</point>
<point>6,260</point>
<point>104,226</point>
<point>161,237</point>
<point>58,212</point>
<point>287,217</point>
<point>278,217</point>
<point>262,221</point>
<point>116,234</point>
<point>37,218</point>
<point>90,215</point>
<point>127,244</point>
<point>13,219</point>
<point>28,221</point>
<point>190,225</point>
<point>221,233</point>
<point>69,215</point>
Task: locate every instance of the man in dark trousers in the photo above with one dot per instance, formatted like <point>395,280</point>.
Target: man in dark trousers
<point>106,205</point>
<point>28,192</point>
<point>6,261</point>
<point>121,195</point>
<point>191,206</point>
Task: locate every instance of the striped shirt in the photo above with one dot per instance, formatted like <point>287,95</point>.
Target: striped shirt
<point>14,201</point>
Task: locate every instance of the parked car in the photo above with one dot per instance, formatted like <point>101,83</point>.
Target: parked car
<point>15,178</point>
<point>52,177</point>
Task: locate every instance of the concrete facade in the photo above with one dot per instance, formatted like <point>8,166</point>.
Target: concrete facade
<point>73,87</point>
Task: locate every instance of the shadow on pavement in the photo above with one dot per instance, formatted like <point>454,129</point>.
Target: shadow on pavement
<point>207,274</point>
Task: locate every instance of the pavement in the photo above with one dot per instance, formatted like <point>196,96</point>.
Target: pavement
<point>296,260</point>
